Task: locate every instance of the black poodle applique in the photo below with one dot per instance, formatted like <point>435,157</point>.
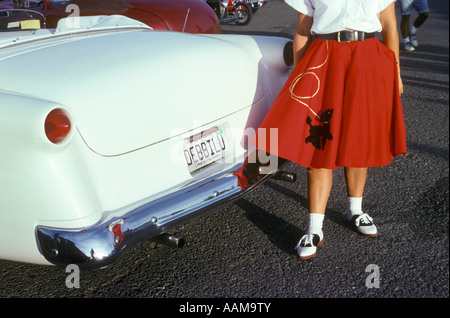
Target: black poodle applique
<point>321,133</point>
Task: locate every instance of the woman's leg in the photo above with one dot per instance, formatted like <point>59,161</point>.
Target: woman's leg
<point>319,187</point>
<point>421,19</point>
<point>355,179</point>
<point>404,26</point>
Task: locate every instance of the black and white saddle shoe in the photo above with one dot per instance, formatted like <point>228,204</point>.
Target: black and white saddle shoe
<point>307,246</point>
<point>364,224</point>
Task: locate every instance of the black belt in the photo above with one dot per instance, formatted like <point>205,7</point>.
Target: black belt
<point>346,36</point>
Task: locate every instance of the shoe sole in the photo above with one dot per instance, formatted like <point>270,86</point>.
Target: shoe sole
<point>368,235</point>
<point>364,234</point>
<point>312,255</point>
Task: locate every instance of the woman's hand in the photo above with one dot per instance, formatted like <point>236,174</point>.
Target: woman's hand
<point>400,82</point>
<point>390,36</point>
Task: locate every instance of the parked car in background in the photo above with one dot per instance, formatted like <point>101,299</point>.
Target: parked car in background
<point>110,134</point>
<point>191,16</point>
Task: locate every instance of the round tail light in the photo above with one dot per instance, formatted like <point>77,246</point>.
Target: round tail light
<point>57,126</point>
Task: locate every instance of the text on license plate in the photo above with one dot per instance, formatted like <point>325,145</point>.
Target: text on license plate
<point>204,148</point>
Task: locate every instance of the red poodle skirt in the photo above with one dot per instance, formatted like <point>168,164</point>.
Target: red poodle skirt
<point>340,107</point>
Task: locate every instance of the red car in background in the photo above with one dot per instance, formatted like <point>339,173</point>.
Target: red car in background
<point>191,16</point>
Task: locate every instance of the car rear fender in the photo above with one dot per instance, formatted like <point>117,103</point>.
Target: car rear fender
<point>32,169</point>
<point>22,119</point>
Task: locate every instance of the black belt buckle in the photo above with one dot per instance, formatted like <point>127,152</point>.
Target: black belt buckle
<point>348,33</point>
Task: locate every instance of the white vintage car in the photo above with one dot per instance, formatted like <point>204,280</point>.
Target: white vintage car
<point>112,133</point>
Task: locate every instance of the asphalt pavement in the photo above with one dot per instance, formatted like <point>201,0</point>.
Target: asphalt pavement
<point>245,250</point>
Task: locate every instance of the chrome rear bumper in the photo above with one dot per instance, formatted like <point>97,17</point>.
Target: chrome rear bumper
<point>102,244</point>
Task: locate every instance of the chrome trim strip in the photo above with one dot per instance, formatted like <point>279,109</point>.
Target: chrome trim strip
<point>102,244</point>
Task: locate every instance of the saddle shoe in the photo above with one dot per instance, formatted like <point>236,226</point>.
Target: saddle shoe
<point>307,246</point>
<point>364,224</point>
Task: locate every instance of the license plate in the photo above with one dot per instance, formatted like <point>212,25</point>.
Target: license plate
<point>204,148</point>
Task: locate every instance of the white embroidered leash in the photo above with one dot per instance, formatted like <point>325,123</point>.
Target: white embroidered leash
<point>300,76</point>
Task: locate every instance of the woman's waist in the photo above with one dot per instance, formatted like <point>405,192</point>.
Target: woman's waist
<point>346,36</point>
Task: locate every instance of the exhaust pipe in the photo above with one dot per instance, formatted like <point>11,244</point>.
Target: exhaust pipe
<point>169,240</point>
<point>285,176</point>
<point>282,175</point>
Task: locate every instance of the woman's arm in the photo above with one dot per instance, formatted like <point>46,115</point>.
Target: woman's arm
<point>390,35</point>
<point>302,36</point>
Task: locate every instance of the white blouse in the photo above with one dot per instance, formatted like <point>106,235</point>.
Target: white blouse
<point>331,16</point>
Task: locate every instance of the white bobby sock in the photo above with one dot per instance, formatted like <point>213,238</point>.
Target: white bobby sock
<point>315,223</point>
<point>406,40</point>
<point>413,29</point>
<point>354,207</point>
